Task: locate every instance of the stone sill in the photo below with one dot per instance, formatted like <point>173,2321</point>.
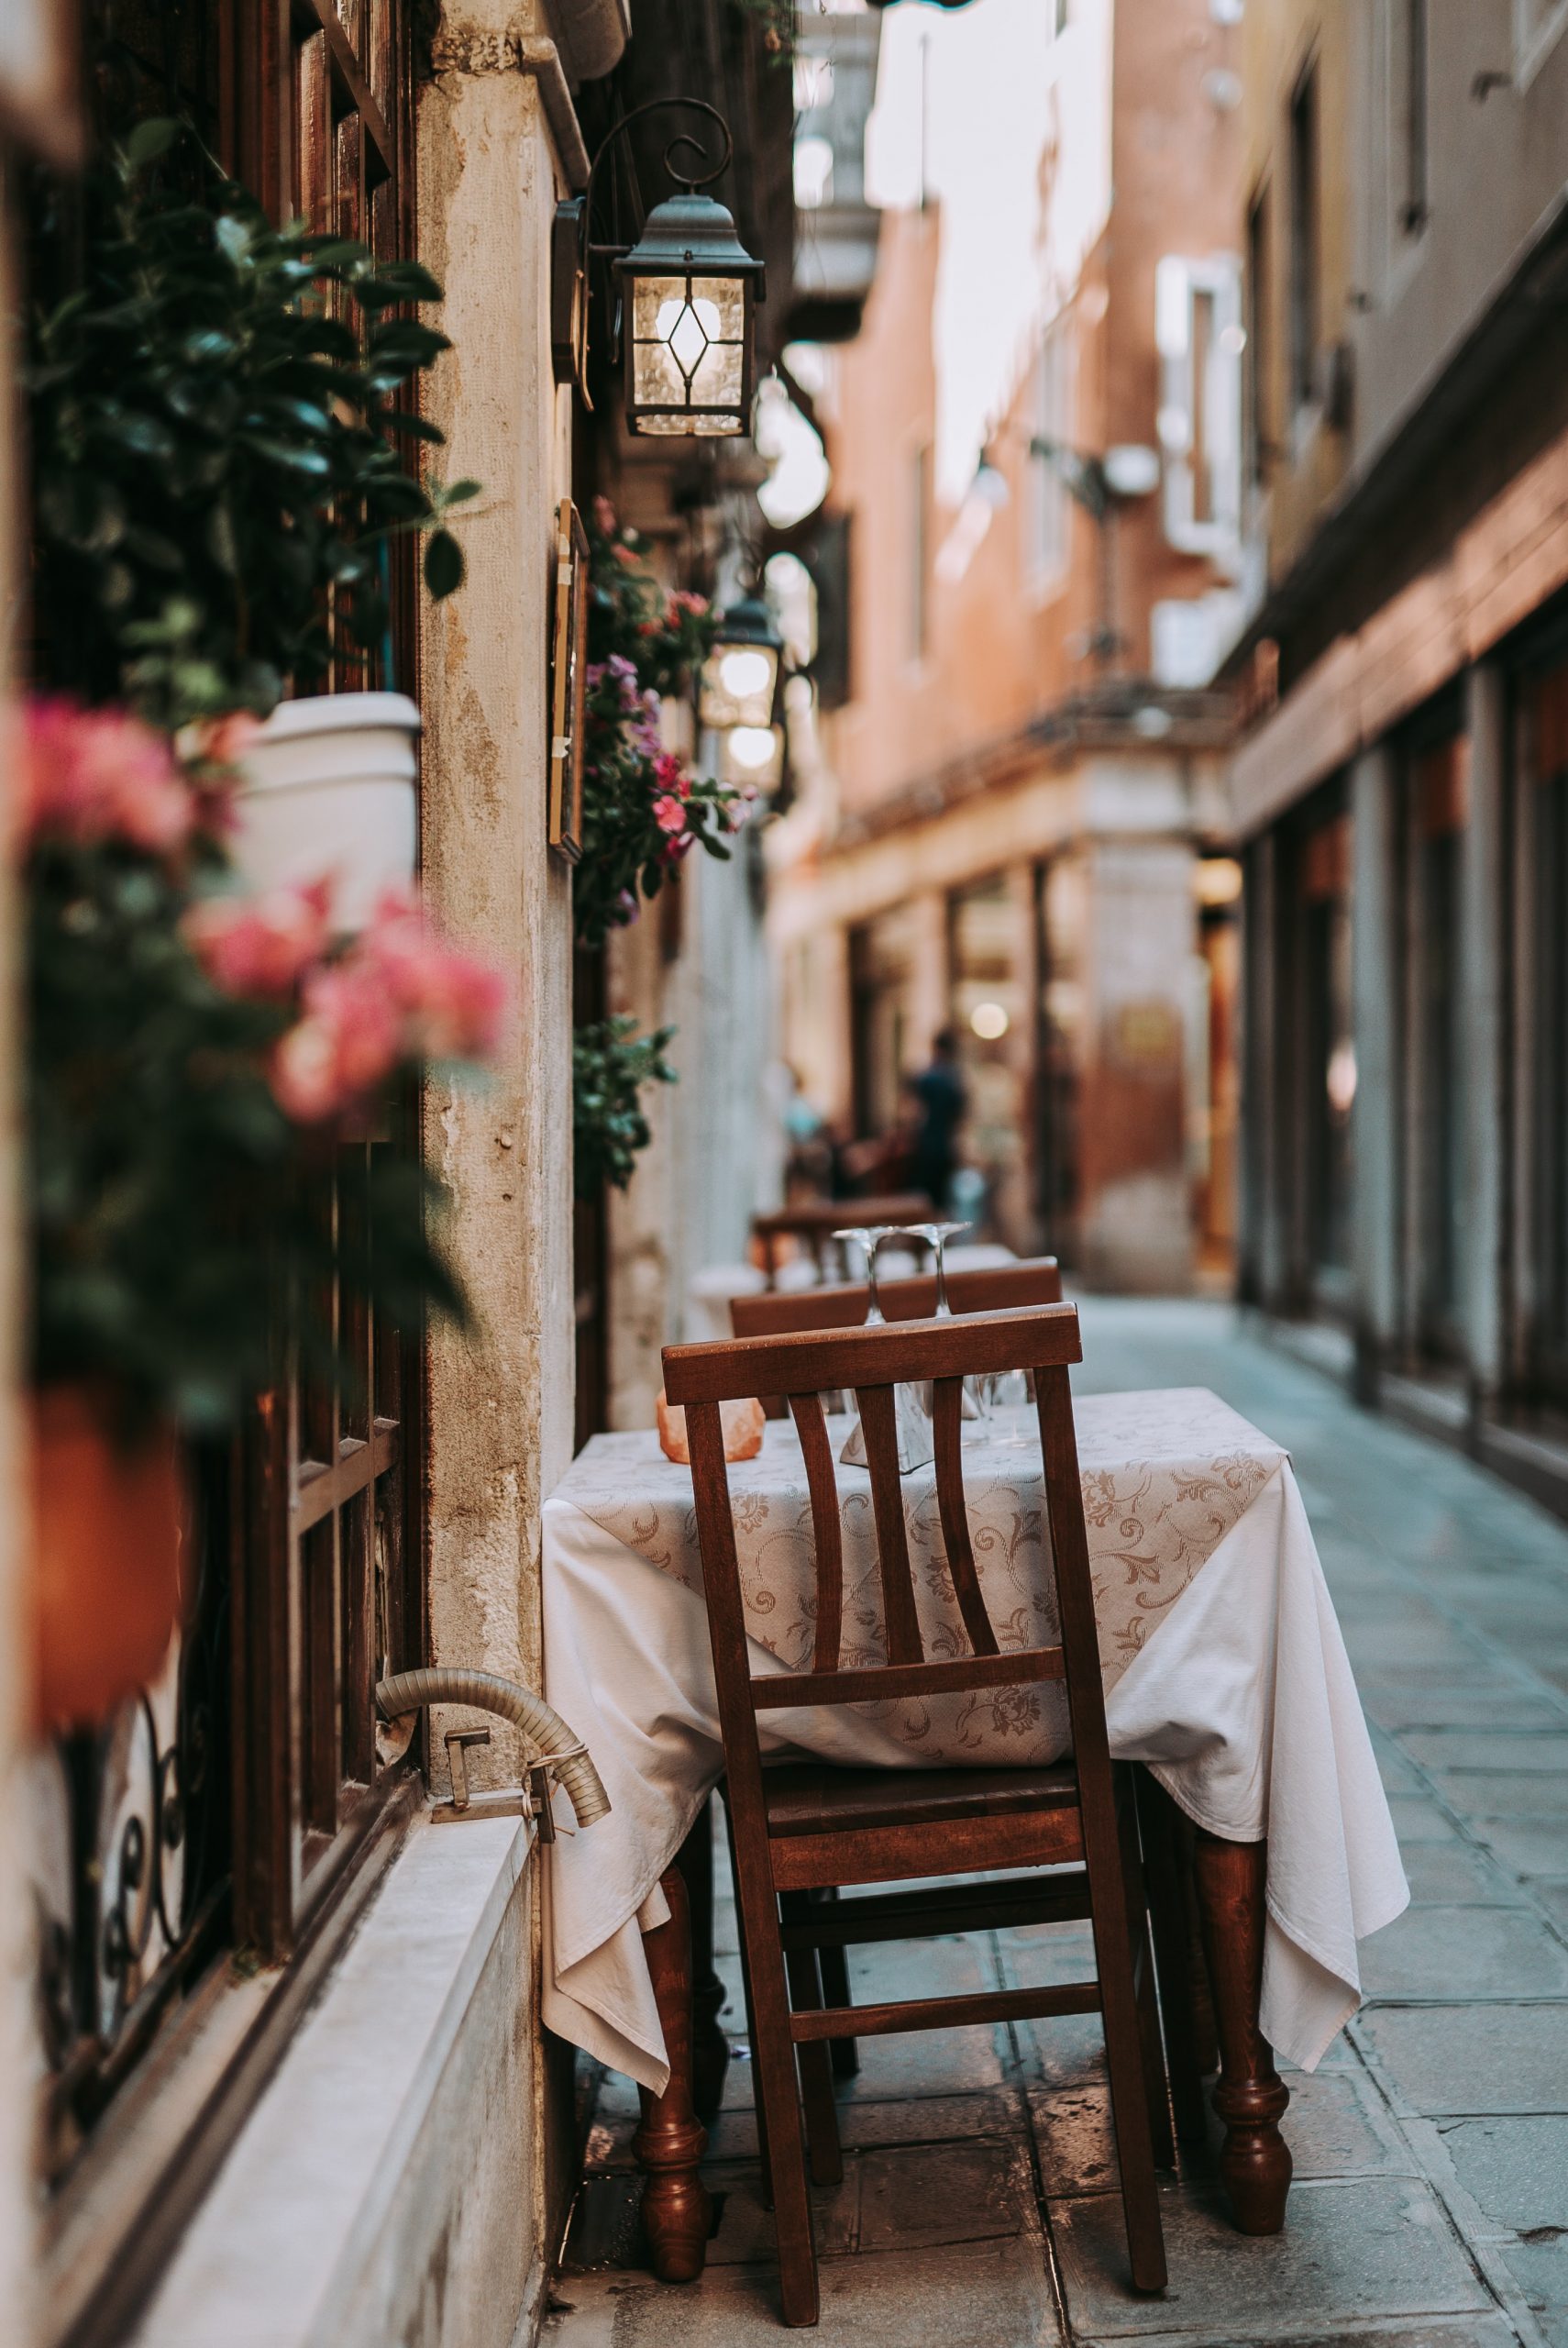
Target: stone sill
<point>278,2245</point>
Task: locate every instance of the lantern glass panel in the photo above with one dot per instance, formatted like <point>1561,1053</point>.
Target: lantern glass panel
<point>738,684</point>
<point>689,354</point>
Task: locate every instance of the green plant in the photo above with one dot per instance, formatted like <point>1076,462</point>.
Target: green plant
<point>643,811</point>
<point>610,1065</point>
<point>215,425</point>
<point>192,1063</point>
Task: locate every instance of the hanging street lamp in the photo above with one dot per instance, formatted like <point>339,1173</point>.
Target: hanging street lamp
<point>739,680</point>
<point>688,287</point>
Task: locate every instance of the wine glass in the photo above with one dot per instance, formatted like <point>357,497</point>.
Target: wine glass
<point>936,1236</point>
<point>867,1237</point>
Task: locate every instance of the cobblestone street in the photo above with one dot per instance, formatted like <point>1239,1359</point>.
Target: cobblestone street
<point>1431,2204</point>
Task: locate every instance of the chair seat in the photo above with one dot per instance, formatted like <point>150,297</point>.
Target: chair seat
<point>807,1798</point>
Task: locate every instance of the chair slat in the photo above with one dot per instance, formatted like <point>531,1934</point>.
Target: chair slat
<point>823,1485</point>
<point>948,1429</point>
<point>884,1683</point>
<point>878,1422</point>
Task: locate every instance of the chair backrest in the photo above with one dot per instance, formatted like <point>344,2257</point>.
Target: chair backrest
<point>993,1287</point>
<point>816,1221</point>
<point>1043,1339</point>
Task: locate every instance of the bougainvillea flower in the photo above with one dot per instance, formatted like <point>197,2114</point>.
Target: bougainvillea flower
<point>262,945</point>
<point>453,1005</point>
<point>97,775</point>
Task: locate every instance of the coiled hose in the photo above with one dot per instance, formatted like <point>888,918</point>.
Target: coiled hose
<point>553,1740</point>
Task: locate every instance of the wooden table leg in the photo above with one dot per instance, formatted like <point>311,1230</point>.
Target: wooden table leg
<point>672,2139</point>
<point>1249,2097</point>
<point>710,2048</point>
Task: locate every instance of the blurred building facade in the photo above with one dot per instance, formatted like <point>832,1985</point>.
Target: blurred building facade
<point>1008,802</point>
<point>1401,789</point>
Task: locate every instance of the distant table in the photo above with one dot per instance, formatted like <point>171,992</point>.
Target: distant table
<point>1225,1674</point>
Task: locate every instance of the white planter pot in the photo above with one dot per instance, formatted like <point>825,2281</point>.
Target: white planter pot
<point>331,791</point>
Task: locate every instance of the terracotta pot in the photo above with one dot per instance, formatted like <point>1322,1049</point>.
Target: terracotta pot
<point>108,1528</point>
<point>330,789</point>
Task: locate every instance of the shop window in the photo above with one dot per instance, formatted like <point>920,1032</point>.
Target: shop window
<point>1049,507</point>
<point>1305,235</point>
<point>1197,318</point>
<point>1254,357</point>
<point>986,1010</point>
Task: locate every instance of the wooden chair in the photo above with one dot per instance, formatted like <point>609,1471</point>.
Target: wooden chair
<point>806,1827</point>
<point>1034,1279</point>
<point>815,1220</point>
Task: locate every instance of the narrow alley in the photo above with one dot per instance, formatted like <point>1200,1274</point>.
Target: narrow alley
<point>1430,2202</point>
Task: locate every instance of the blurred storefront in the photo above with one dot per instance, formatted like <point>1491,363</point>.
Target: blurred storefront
<point>1399,790</point>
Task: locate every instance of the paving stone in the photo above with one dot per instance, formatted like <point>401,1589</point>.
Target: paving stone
<point>1540,2266</point>
<point>1505,1793</point>
<point>937,2193</point>
<point>1410,1708</point>
<point>1527,1846</point>
<point>1417,1819</point>
<point>1333,2128</point>
<point>1456,1875</point>
<point>744,2234</point>
<point>916,2120</point>
<point>1554,2327</point>
<point>1438,2332</point>
<point>1502,1747</point>
<point>1461,2059</point>
<point>1515,2170</point>
<point>1464,1952</point>
<point>996,2293</point>
<point>1349,2251</point>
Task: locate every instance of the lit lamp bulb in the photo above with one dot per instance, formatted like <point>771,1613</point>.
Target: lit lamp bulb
<point>754,754</point>
<point>740,677</point>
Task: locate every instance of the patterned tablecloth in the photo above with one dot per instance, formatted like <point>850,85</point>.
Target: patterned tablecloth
<point>1165,1477</point>
<point>1224,1671</point>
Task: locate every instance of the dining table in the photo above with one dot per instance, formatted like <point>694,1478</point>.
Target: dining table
<point>1225,1676</point>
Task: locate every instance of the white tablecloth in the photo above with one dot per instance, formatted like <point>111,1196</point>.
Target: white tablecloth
<point>1238,1694</point>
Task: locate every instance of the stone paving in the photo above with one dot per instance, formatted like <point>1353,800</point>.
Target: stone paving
<point>1430,2203</point>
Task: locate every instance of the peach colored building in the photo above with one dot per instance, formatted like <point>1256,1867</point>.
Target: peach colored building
<point>1004,824</point>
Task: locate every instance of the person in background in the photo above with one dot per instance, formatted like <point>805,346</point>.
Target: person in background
<point>943,1104</point>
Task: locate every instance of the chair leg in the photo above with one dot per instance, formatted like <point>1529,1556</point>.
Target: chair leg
<point>1160,1827</point>
<point>804,1977</point>
<point>1124,2054</point>
<point>844,2053</point>
<point>762,2153</point>
<point>1161,2141</point>
<point>778,2103</point>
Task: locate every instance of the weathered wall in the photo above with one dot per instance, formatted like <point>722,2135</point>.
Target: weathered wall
<point>492,158</point>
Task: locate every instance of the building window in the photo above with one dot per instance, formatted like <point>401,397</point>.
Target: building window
<point>1255,356</point>
<point>1410,83</point>
<point>1198,324</point>
<point>920,554</point>
<point>1305,229</point>
<point>1049,509</point>
<point>1437,811</point>
<point>1328,1060</point>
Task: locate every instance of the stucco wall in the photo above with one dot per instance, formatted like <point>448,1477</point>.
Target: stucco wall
<point>492,164</point>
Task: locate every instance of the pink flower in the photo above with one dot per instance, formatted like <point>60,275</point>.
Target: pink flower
<point>262,946</point>
<point>684,603</point>
<point>669,813</point>
<point>671,775</point>
<point>604,516</point>
<point>219,741</point>
<point>93,775</point>
<point>453,1005</point>
<point>347,1043</point>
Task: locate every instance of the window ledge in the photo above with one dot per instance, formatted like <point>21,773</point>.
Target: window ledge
<point>302,2202</point>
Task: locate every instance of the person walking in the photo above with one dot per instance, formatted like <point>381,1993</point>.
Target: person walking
<point>942,1105</point>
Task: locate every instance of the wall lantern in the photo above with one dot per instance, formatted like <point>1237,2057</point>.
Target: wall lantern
<point>754,755</point>
<point>739,683</point>
<point>687,291</point>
